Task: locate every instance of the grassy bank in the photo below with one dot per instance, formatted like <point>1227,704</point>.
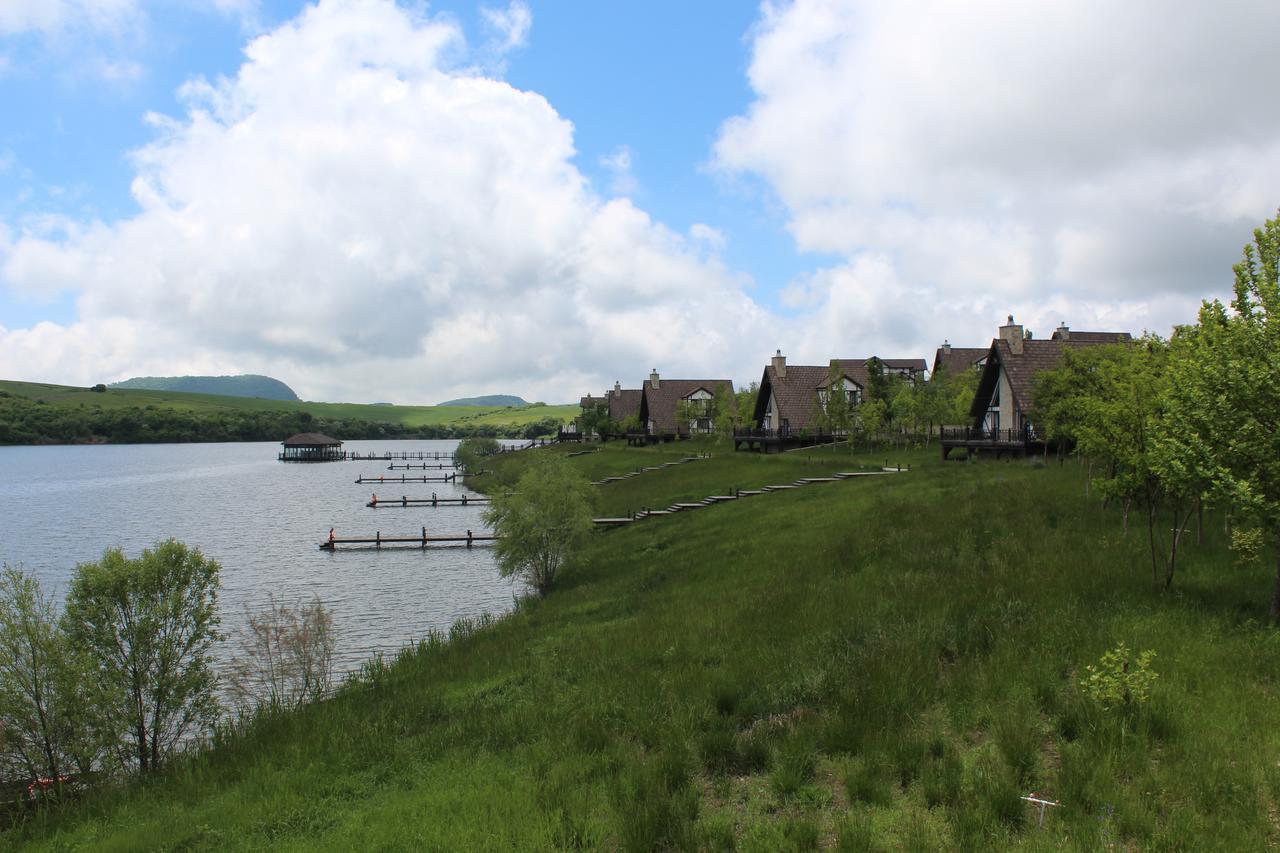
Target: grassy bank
<point>31,412</point>
<point>880,662</point>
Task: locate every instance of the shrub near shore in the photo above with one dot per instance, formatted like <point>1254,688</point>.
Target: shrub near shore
<point>885,661</point>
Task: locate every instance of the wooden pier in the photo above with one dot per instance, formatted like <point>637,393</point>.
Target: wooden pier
<point>381,479</point>
<point>387,455</point>
<point>425,466</point>
<point>379,541</point>
<point>433,501</point>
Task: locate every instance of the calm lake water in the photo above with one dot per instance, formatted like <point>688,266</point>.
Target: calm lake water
<point>262,520</point>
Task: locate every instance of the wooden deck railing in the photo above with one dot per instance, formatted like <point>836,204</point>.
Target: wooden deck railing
<point>990,436</point>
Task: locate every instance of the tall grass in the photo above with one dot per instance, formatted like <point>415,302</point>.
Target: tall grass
<point>878,663</point>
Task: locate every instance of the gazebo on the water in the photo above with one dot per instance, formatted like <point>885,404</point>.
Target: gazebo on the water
<point>312,447</point>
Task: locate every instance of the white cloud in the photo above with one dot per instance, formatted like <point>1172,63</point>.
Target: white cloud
<point>1065,160</point>
<point>54,17</point>
<point>508,28</point>
<point>618,163</point>
<point>350,214</point>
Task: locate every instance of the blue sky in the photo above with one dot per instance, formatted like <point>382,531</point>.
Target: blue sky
<point>349,194</point>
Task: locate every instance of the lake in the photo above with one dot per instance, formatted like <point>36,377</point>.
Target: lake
<point>262,520</point>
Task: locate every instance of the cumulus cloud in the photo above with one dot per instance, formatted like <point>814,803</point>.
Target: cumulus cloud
<point>1065,160</point>
<point>354,215</point>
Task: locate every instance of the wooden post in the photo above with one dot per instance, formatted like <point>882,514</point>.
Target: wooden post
<point>404,500</point>
<point>468,538</point>
<point>424,538</point>
<point>378,538</point>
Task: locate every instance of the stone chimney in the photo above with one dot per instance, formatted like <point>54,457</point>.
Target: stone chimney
<point>946,347</point>
<point>653,379</point>
<point>1063,333</point>
<point>780,365</point>
<point>1011,333</point>
<point>617,388</point>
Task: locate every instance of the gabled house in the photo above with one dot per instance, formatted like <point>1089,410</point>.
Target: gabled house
<point>910,368</point>
<point>792,397</point>
<point>623,402</point>
<point>678,407</point>
<point>1004,404</point>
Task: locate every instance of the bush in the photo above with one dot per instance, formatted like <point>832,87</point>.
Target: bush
<point>286,654</point>
<point>1120,680</point>
<point>472,451</point>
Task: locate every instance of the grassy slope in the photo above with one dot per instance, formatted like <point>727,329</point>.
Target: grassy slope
<point>890,658</point>
<point>407,415</point>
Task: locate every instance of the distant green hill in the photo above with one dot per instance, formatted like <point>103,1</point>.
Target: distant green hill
<point>490,400</point>
<point>245,385</point>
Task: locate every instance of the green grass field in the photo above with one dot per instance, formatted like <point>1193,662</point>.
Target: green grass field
<point>410,416</point>
<point>878,663</point>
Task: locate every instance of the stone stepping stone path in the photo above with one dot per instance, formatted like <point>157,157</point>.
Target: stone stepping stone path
<point>639,471</point>
<point>737,494</point>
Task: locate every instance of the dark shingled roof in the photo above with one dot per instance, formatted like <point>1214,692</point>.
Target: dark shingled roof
<point>1023,368</point>
<point>1094,337</point>
<point>959,359</point>
<point>797,392</point>
<point>588,401</point>
<point>659,404</point>
<point>311,439</point>
<point>623,404</point>
<point>914,364</point>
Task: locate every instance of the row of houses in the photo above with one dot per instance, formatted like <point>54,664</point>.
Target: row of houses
<point>661,409</point>
<point>792,398</point>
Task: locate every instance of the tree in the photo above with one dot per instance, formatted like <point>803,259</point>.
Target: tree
<point>727,415</point>
<point>286,654</point>
<point>872,415</point>
<point>541,522</point>
<point>1225,390</point>
<point>42,720</point>
<point>833,407</point>
<point>149,624</point>
<point>472,451</point>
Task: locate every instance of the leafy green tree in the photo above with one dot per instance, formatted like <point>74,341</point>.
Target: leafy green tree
<point>473,450</point>
<point>877,381</point>
<point>541,522</point>
<point>727,415</point>
<point>745,403</point>
<point>596,420</point>
<point>43,724</point>
<point>872,417</point>
<point>1225,394</point>
<point>149,625</point>
<point>833,410</point>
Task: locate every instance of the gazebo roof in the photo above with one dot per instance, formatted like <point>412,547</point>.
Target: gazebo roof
<point>311,439</point>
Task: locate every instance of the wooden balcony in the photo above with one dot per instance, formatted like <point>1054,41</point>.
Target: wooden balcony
<point>1014,442</point>
<point>775,441</point>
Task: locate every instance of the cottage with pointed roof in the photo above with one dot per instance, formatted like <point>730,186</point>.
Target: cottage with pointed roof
<point>671,408</point>
<point>624,403</point>
<point>791,397</point>
<point>1004,405</point>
